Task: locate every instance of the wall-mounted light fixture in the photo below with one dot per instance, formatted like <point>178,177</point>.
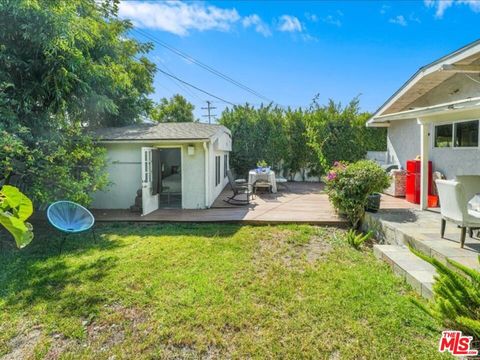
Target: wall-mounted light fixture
<point>191,150</point>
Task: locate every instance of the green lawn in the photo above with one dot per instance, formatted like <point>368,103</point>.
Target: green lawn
<point>193,291</point>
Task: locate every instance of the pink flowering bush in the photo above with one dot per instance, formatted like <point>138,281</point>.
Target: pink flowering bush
<point>349,185</point>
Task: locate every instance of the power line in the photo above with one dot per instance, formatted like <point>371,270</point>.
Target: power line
<point>202,65</point>
<point>180,85</point>
<point>195,87</point>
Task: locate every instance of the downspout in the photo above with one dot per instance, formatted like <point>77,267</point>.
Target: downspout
<point>206,162</point>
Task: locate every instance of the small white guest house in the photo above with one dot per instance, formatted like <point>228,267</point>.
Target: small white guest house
<point>165,165</point>
<point>435,114</point>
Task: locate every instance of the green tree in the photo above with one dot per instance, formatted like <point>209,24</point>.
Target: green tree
<point>333,133</point>
<point>65,66</point>
<point>175,109</point>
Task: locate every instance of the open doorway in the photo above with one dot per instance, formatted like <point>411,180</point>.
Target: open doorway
<point>170,178</point>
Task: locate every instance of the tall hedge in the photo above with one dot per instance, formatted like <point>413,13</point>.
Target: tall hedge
<point>307,141</point>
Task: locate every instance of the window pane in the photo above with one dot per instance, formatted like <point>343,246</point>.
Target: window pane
<point>443,136</point>
<point>466,134</point>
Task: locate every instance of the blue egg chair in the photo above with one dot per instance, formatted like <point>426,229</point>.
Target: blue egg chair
<point>70,218</point>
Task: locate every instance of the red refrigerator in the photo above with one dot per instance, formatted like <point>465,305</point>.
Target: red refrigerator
<point>413,182</point>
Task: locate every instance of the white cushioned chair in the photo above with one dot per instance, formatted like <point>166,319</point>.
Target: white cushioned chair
<point>454,207</point>
<point>471,185</point>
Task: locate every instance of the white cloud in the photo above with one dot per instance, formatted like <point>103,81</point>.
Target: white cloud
<point>178,17</point>
<point>311,17</point>
<point>414,18</point>
<point>255,21</point>
<point>399,20</point>
<point>441,6</point>
<point>289,23</point>
<point>332,21</point>
<point>384,9</point>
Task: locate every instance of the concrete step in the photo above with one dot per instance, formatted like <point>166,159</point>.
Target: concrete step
<point>416,272</point>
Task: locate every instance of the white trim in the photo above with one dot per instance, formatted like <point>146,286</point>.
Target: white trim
<point>206,162</point>
<point>136,141</point>
<point>427,112</point>
<point>181,148</point>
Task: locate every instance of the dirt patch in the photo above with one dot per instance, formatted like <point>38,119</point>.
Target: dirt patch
<point>112,331</point>
<point>58,346</point>
<point>23,345</point>
<point>316,249</point>
<point>285,247</point>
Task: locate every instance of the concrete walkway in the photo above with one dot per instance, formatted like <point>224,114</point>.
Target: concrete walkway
<point>397,228</point>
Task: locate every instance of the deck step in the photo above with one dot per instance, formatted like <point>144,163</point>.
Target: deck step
<point>416,272</point>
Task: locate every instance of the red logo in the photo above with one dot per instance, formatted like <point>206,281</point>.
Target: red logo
<point>456,344</point>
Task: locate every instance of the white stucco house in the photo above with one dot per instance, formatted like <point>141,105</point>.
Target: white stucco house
<point>435,114</point>
<point>182,165</point>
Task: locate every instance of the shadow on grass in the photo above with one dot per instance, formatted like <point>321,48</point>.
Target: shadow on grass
<point>170,229</point>
<point>39,274</point>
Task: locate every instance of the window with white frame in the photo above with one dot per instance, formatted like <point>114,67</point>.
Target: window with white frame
<point>217,170</point>
<point>461,134</point>
<point>225,165</point>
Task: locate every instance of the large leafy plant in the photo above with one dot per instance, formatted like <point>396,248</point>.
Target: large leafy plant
<point>15,209</point>
<point>349,185</point>
<point>456,301</point>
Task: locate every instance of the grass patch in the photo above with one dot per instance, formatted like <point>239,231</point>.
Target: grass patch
<point>190,291</point>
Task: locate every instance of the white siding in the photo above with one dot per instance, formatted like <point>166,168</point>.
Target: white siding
<point>404,143</point>
<point>193,175</point>
<point>124,169</point>
<point>215,190</point>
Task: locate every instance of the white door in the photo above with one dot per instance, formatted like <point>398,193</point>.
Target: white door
<point>149,201</point>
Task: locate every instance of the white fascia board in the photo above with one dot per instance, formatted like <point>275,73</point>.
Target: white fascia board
<point>455,106</point>
<point>136,141</point>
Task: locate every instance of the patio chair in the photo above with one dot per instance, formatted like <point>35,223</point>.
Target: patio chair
<point>238,189</point>
<point>281,181</point>
<point>238,181</point>
<point>70,218</point>
<point>453,207</point>
<point>262,184</point>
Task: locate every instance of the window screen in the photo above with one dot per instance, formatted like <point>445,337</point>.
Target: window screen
<point>217,170</point>
<point>466,134</point>
<point>443,135</point>
<point>225,165</point>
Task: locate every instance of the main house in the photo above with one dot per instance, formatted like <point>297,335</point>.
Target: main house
<point>435,114</point>
<point>164,165</point>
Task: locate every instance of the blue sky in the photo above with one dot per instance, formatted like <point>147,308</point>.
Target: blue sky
<point>291,50</point>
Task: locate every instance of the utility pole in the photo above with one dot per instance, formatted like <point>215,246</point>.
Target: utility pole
<point>209,114</point>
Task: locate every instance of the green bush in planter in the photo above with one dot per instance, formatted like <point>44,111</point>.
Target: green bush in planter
<point>349,185</point>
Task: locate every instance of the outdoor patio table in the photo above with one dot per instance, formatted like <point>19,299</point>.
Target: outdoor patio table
<point>269,176</point>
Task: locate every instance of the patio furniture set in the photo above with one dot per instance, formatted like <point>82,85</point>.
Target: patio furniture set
<point>257,179</point>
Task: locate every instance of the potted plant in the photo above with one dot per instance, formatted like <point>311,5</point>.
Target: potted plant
<point>262,166</point>
<point>373,202</point>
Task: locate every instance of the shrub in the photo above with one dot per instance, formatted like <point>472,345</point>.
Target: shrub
<point>15,209</point>
<point>356,239</point>
<point>349,185</point>
<point>456,301</point>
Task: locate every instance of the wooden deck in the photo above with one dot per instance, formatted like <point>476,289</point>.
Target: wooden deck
<point>302,203</point>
